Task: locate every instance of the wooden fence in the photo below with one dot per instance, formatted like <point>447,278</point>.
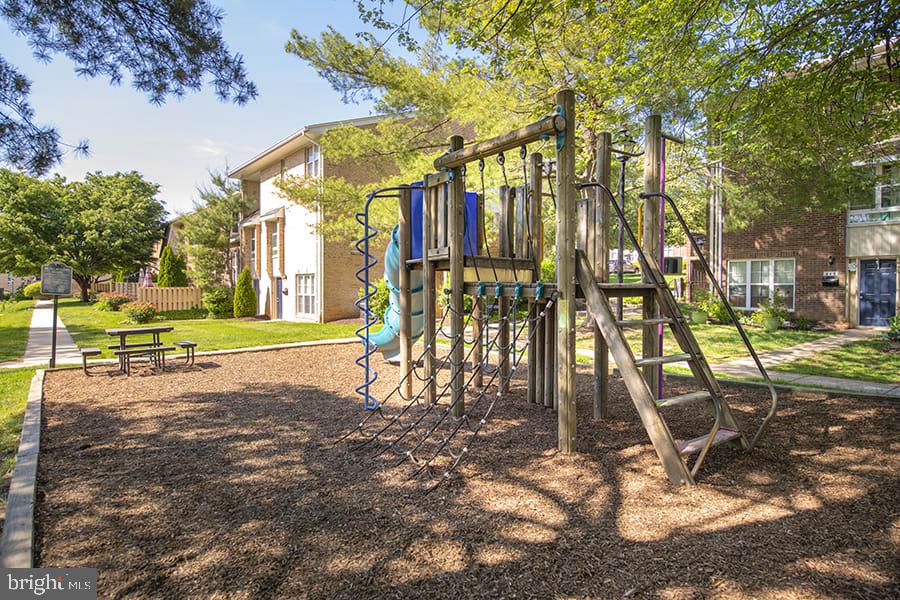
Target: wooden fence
<point>167,298</point>
<point>113,287</point>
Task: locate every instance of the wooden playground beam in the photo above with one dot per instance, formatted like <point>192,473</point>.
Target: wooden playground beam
<point>456,240</point>
<point>549,125</point>
<point>429,200</point>
<point>600,264</point>
<point>566,233</point>
<point>650,242</point>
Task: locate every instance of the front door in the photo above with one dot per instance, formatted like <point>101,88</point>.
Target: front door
<point>278,296</point>
<point>877,291</point>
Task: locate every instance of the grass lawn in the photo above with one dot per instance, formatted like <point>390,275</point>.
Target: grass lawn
<point>721,343</point>
<point>14,385</point>
<point>15,318</point>
<point>864,360</point>
<point>87,325</point>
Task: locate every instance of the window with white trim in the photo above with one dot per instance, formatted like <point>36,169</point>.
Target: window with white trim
<point>306,294</point>
<point>273,247</point>
<point>752,281</point>
<point>253,246</point>
<point>312,161</point>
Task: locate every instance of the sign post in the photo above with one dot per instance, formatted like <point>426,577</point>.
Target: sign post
<point>56,281</point>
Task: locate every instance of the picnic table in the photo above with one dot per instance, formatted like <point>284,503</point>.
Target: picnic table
<point>123,332</point>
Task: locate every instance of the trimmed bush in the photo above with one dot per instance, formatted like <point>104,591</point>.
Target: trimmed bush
<point>218,301</point>
<point>112,302</point>
<point>140,312</point>
<point>183,314</point>
<point>172,270</point>
<point>378,303</point>
<point>244,296</point>
<point>32,290</point>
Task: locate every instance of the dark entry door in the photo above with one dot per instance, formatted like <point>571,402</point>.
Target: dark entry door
<point>877,291</point>
<point>278,298</point>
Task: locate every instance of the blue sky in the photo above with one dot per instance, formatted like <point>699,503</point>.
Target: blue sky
<point>175,144</point>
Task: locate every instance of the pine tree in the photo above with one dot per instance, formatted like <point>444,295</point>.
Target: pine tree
<point>244,296</point>
<point>165,267</point>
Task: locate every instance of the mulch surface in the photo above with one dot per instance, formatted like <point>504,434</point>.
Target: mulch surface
<point>226,482</point>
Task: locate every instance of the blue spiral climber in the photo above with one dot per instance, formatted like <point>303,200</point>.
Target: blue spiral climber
<point>362,274</point>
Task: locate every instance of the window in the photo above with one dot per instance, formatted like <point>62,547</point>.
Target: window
<point>889,190</point>
<point>253,247</point>
<point>273,247</point>
<point>306,294</point>
<point>312,161</point>
<point>752,281</point>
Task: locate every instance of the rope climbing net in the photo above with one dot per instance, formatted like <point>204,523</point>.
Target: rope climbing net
<point>428,435</point>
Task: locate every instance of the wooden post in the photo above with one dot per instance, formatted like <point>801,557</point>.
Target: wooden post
<point>478,304</point>
<point>650,241</point>
<point>550,374</point>
<point>565,275</point>
<point>507,214</point>
<point>600,264</point>
<point>456,207</point>
<point>429,201</point>
<point>404,219</point>
<point>536,350</point>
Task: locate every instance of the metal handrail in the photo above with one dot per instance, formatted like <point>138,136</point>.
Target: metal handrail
<point>759,365</point>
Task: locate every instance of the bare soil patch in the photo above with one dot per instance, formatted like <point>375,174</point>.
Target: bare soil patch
<point>225,483</point>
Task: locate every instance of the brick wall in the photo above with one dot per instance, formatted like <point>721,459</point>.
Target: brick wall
<point>808,238</point>
<point>341,260</point>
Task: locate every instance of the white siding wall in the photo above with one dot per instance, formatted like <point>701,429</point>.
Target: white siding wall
<point>301,245</point>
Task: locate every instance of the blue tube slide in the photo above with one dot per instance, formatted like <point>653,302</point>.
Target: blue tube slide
<point>387,339</point>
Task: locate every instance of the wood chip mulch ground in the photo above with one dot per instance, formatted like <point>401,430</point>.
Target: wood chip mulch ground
<point>224,482</point>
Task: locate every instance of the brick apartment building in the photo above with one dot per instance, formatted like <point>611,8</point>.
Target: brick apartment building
<point>840,267</point>
<point>298,275</point>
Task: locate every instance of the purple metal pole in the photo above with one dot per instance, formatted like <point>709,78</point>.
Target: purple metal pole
<point>662,246</point>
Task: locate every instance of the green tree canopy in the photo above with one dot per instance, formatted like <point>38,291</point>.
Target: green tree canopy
<point>104,224</point>
<point>787,93</point>
<point>208,230</point>
<point>167,47</point>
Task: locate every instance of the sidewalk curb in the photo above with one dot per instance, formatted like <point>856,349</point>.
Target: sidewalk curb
<point>17,543</point>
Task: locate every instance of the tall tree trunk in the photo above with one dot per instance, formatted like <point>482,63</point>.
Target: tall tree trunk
<point>85,284</point>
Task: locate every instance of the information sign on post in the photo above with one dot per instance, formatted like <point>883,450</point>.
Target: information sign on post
<point>56,281</point>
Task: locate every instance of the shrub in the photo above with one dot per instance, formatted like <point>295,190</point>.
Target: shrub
<point>112,302</point>
<point>172,270</point>
<point>719,312</point>
<point>380,301</point>
<point>244,296</point>
<point>140,312</point>
<point>548,270</point>
<point>893,332</point>
<point>32,290</point>
<point>774,309</point>
<point>803,323</point>
<point>444,301</point>
<point>218,301</point>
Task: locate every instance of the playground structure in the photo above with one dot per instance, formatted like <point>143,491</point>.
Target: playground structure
<point>514,314</point>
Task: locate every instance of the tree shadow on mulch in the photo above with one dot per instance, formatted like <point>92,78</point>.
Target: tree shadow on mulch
<point>242,492</point>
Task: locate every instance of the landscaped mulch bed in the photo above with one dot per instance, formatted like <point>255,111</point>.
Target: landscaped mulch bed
<point>225,483</point>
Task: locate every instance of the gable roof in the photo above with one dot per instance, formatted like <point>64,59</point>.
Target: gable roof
<point>305,136</point>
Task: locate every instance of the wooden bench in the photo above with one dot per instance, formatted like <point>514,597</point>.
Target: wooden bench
<point>85,352</point>
<point>189,349</point>
<point>157,355</point>
<point>129,346</point>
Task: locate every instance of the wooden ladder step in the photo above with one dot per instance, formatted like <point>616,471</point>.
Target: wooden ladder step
<point>684,398</point>
<point>662,360</point>
<point>697,444</point>
<point>642,322</point>
<point>613,285</point>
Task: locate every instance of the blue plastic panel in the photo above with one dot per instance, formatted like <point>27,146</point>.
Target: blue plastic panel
<point>471,223</point>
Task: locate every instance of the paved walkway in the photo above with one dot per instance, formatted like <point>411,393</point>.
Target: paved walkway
<point>37,352</point>
<point>745,367</point>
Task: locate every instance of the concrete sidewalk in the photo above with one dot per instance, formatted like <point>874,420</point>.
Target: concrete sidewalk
<point>37,351</point>
<point>746,368</point>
